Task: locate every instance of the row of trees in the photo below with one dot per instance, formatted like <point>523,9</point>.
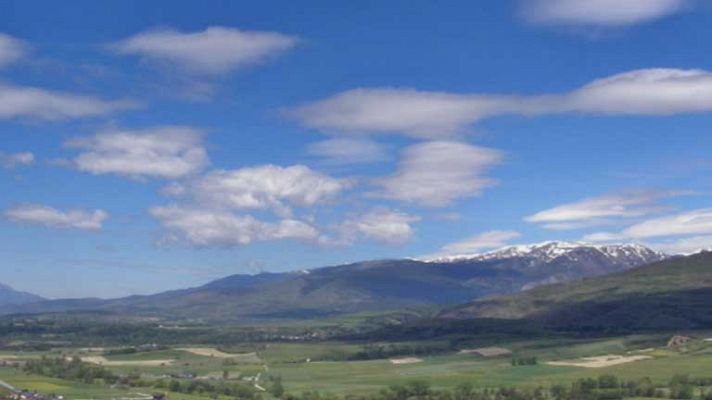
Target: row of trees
<point>605,387</point>
<point>75,370</point>
<point>380,351</point>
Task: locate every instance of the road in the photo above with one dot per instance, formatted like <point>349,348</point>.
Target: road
<point>8,386</point>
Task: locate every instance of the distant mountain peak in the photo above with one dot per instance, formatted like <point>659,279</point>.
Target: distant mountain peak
<point>550,250</point>
<point>10,296</point>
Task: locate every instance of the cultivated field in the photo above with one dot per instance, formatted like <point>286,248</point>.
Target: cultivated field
<point>325,366</point>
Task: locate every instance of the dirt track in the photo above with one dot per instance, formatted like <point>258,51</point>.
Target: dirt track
<point>100,360</point>
<point>599,362</point>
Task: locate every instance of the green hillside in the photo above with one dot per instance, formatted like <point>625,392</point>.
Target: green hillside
<point>672,294</point>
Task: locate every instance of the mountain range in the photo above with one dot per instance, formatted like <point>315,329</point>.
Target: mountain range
<point>368,286</point>
<point>675,293</point>
<point>10,296</point>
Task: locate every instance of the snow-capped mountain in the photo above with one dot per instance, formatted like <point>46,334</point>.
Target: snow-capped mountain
<point>374,285</point>
<point>558,261</point>
<point>629,253</point>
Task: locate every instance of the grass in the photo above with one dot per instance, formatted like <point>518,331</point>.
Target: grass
<point>288,360</point>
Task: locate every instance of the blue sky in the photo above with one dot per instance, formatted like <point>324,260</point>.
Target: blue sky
<point>155,145</point>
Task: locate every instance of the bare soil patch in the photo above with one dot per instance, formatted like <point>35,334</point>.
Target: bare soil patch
<point>213,352</point>
<point>488,351</point>
<point>406,360</point>
<point>599,362</point>
<point>101,360</point>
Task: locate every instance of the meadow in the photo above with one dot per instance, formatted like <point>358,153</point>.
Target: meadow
<point>325,367</point>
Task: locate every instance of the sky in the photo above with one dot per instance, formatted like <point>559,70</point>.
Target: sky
<point>155,145</point>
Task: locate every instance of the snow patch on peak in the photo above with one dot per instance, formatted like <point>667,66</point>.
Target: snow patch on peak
<point>550,250</point>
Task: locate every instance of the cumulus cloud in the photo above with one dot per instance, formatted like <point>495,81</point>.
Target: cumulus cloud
<point>38,214</point>
<point>437,173</point>
<point>163,152</point>
<point>216,50</point>
<point>604,13</point>
<point>348,151</point>
<point>478,243</point>
<point>600,210</point>
<point>382,225</point>
<point>208,227</point>
<point>41,104</point>
<point>13,160</point>
<point>11,50</point>
<point>263,187</point>
<point>658,91</point>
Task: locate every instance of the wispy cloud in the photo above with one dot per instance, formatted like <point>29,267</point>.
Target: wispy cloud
<point>601,210</point>
<point>38,214</point>
<point>190,62</point>
<point>161,152</point>
<point>216,50</point>
<point>436,115</point>
<point>436,174</point>
<point>681,232</point>
<point>692,222</point>
<point>342,151</point>
<point>484,241</point>
<point>41,104</point>
<point>686,245</point>
<point>379,224</point>
<point>598,13</point>
<point>12,160</point>
<point>11,49</point>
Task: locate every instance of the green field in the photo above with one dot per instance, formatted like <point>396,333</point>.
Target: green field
<point>306,366</point>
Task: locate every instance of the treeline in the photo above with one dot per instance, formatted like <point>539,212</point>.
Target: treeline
<point>88,332</point>
<point>381,351</point>
<point>520,361</point>
<point>605,387</point>
<point>75,370</point>
<point>72,369</point>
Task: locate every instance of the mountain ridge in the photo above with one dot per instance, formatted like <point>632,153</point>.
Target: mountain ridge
<point>672,293</point>
<point>10,296</point>
<point>374,285</point>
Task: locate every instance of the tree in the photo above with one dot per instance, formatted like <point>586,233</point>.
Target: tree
<point>277,389</point>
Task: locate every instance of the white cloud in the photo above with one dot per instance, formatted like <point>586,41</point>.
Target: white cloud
<point>600,210</point>
<point>205,227</point>
<point>162,152</point>
<point>478,243</point>
<point>605,13</point>
<point>216,50</point>
<point>657,91</point>
<point>70,219</point>
<point>35,103</point>
<point>264,187</point>
<point>685,245</point>
<point>382,225</point>
<point>11,50</point>
<point>13,160</point>
<point>692,222</point>
<point>383,110</point>
<point>661,91</point>
<point>681,233</point>
<point>603,237</point>
<point>348,151</point>
<point>438,173</point>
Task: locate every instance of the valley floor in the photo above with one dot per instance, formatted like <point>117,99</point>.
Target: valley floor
<point>327,367</point>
